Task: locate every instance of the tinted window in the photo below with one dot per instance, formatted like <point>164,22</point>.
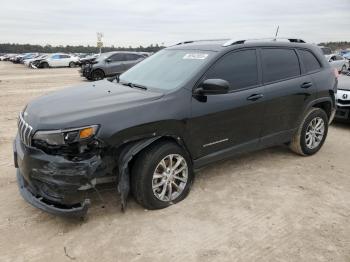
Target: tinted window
<point>279,64</point>
<point>132,57</point>
<point>238,68</point>
<point>55,57</point>
<point>309,60</point>
<point>64,56</point>
<point>117,57</point>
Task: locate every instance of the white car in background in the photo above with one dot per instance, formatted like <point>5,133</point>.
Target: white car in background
<point>338,62</point>
<point>59,60</point>
<point>343,98</point>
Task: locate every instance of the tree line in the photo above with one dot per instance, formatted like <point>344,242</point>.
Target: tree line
<point>27,48</point>
<point>337,45</point>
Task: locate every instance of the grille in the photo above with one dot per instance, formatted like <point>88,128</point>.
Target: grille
<point>25,131</point>
<point>344,102</point>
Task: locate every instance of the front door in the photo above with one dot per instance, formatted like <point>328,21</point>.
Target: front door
<point>232,121</point>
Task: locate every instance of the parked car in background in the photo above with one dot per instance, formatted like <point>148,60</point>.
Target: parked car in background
<point>87,59</point>
<point>58,60</point>
<point>110,64</point>
<point>338,62</point>
<point>343,98</point>
<point>29,62</point>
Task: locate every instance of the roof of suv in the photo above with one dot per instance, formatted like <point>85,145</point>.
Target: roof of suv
<point>226,44</point>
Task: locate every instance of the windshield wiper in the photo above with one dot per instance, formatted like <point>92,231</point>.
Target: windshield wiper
<point>132,85</point>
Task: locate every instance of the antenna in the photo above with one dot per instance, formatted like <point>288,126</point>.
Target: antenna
<point>278,28</point>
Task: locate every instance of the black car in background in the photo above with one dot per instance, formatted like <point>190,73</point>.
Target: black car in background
<point>110,64</point>
<point>182,108</point>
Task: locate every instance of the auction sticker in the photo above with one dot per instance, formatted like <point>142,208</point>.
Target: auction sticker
<point>197,56</point>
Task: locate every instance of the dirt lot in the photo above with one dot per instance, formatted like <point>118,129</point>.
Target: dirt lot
<point>270,205</point>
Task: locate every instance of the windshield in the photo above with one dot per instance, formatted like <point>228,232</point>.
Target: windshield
<point>167,69</point>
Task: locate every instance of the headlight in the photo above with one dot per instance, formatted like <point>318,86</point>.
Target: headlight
<point>66,136</point>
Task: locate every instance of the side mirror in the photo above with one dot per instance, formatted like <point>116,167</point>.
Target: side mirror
<point>108,60</point>
<point>213,87</point>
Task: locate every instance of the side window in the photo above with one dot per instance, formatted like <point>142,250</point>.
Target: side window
<point>55,57</point>
<point>64,56</point>
<point>132,57</point>
<point>239,68</point>
<point>117,57</point>
<point>309,60</point>
<point>279,64</point>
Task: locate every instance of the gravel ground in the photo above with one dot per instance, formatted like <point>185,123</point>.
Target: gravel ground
<point>270,205</point>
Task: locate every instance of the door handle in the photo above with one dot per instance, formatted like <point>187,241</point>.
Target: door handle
<point>255,97</point>
<point>306,85</point>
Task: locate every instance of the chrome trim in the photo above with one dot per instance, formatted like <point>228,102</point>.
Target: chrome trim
<point>25,131</point>
<point>216,142</point>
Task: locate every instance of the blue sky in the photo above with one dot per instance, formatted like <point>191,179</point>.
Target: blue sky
<point>144,22</point>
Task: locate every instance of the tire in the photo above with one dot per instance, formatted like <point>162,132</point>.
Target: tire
<point>45,65</point>
<point>308,140</point>
<point>71,64</point>
<point>147,173</point>
<point>97,74</point>
<point>343,69</point>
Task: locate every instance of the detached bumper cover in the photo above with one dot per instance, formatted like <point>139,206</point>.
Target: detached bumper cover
<point>38,202</point>
<point>52,183</point>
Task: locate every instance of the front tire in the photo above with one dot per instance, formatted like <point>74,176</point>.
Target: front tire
<point>311,133</point>
<point>71,64</point>
<point>45,65</point>
<point>97,75</point>
<point>161,175</point>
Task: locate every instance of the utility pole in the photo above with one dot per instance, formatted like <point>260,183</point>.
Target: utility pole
<point>99,41</point>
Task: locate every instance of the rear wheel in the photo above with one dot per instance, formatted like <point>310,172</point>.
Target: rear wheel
<point>97,75</point>
<point>311,134</point>
<point>162,175</point>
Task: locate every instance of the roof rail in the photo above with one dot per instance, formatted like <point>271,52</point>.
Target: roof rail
<point>201,40</point>
<point>235,42</point>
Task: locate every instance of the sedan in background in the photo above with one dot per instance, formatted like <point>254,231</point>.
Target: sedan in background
<point>338,62</point>
<point>343,98</point>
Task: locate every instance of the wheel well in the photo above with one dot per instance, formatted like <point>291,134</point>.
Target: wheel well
<point>326,106</point>
<point>162,139</point>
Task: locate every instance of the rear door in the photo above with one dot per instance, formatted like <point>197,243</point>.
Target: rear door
<point>287,93</point>
<point>230,121</point>
<point>54,61</point>
<point>116,64</point>
<point>131,60</point>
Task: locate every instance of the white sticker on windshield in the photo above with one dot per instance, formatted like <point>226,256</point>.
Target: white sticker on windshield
<point>199,56</point>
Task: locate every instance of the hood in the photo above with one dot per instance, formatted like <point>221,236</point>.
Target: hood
<point>84,104</point>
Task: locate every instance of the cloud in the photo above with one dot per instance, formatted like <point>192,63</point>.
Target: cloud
<point>144,22</point>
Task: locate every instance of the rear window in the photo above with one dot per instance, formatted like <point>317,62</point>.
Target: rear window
<point>279,64</point>
<point>309,60</point>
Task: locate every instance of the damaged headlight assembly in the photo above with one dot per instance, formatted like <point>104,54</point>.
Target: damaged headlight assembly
<point>66,136</point>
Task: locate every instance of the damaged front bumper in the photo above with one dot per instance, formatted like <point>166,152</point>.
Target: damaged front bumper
<point>53,183</point>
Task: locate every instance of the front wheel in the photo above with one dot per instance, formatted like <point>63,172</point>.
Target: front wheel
<point>71,64</point>
<point>97,75</point>
<point>162,175</point>
<point>311,133</point>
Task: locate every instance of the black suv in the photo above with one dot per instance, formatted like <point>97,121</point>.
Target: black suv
<point>182,108</point>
